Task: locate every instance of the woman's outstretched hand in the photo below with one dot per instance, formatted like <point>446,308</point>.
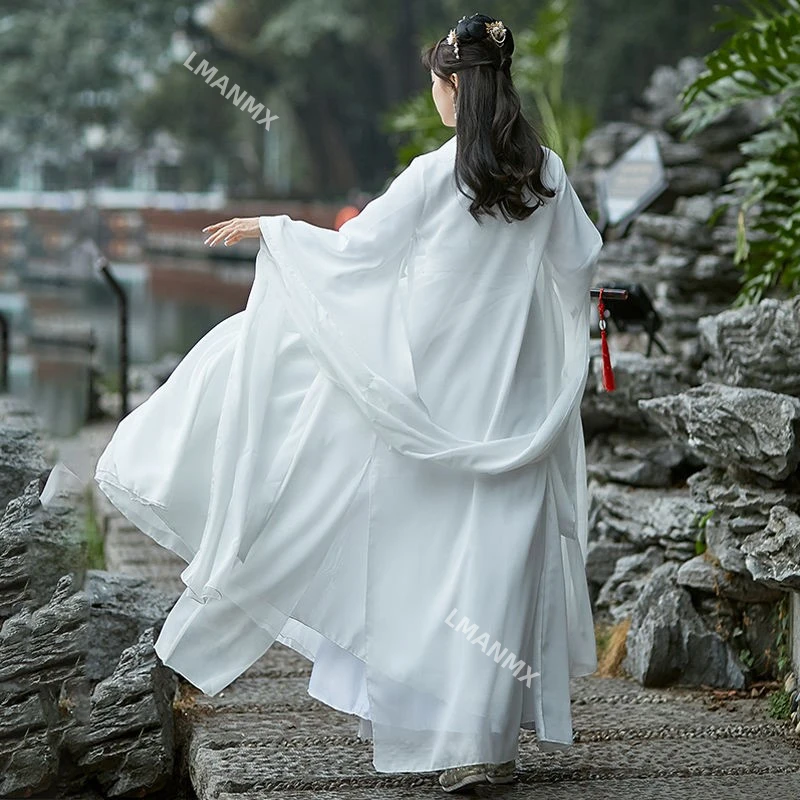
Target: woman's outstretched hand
<point>231,231</point>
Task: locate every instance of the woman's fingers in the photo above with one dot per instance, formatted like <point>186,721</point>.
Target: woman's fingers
<point>231,231</point>
<point>220,235</point>
<point>212,239</point>
<point>217,225</point>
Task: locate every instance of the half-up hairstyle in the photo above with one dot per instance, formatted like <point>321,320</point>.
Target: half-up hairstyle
<point>499,155</point>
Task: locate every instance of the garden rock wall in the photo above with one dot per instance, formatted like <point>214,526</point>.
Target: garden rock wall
<point>695,530</point>
<point>693,458</point>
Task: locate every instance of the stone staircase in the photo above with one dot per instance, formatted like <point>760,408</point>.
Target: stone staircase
<point>265,736</point>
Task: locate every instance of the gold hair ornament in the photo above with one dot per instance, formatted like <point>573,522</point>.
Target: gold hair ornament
<point>496,29</point>
<point>452,40</point>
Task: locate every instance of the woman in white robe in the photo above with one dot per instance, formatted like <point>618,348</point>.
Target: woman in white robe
<point>380,461</point>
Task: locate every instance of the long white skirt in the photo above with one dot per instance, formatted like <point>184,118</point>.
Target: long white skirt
<point>356,555</point>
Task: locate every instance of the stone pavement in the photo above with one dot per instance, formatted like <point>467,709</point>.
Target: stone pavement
<point>264,736</point>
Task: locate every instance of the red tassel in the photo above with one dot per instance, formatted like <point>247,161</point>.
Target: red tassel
<point>608,373</point>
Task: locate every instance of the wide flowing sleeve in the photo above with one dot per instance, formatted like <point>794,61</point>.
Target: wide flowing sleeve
<point>342,291</point>
<point>573,244</point>
<point>341,287</point>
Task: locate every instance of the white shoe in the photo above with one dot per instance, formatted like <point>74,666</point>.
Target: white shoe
<point>502,773</point>
<point>455,778</point>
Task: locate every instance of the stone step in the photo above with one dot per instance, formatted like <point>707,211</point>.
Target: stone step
<point>123,552</point>
<point>264,735</point>
<point>718,787</point>
<point>278,661</point>
<point>324,763</point>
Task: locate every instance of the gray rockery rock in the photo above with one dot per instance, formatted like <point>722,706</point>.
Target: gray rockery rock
<point>85,700</point>
<point>754,346</point>
<point>773,555</point>
<point>668,641</point>
<point>755,430</point>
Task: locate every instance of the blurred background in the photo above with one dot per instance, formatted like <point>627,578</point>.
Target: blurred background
<point>128,125</point>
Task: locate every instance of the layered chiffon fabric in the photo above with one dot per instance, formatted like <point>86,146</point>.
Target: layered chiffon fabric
<point>380,463</point>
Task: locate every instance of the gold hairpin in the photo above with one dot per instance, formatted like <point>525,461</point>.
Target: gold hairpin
<point>497,31</point>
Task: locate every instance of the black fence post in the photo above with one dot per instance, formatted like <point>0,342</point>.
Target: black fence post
<point>102,264</point>
<point>4,366</point>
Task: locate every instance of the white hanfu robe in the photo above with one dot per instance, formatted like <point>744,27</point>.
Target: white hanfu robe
<point>380,462</point>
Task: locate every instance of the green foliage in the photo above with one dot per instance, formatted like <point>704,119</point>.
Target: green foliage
<point>542,54</point>
<point>746,657</point>
<point>779,704</point>
<point>783,636</point>
<point>621,42</point>
<point>776,658</point>
<point>329,69</point>
<point>95,554</point>
<point>717,214</point>
<point>419,121</point>
<point>760,61</point>
<point>602,637</point>
<point>540,57</point>
<point>80,63</point>
<point>108,382</point>
<point>700,545</point>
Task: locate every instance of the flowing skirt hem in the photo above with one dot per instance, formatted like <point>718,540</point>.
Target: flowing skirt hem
<point>141,512</point>
<point>252,637</point>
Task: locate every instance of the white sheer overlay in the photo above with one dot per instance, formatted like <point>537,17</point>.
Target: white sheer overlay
<point>386,441</point>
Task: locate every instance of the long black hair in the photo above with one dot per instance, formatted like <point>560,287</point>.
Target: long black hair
<point>498,153</point>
